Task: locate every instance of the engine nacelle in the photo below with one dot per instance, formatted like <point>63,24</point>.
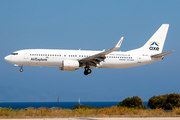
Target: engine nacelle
<point>69,65</point>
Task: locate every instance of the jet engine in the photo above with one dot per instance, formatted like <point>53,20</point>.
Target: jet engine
<point>69,65</point>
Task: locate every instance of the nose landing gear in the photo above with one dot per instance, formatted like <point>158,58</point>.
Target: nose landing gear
<point>21,69</point>
<point>87,71</point>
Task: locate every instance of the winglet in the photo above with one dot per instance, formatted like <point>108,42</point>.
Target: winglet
<point>119,43</point>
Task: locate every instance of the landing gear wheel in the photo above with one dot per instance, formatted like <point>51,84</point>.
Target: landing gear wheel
<point>88,71</point>
<point>85,72</point>
<point>21,70</point>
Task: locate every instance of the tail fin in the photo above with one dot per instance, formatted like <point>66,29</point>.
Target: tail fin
<point>155,44</point>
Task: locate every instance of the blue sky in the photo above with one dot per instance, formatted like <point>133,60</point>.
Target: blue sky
<point>89,25</point>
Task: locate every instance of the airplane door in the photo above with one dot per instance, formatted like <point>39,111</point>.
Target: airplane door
<point>25,55</point>
<point>139,58</point>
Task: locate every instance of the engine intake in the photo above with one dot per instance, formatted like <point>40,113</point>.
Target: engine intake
<point>69,65</point>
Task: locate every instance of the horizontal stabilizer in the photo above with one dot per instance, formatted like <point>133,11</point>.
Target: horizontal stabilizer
<point>162,54</point>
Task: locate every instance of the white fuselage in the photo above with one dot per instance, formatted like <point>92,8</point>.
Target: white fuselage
<point>71,60</point>
<point>48,57</point>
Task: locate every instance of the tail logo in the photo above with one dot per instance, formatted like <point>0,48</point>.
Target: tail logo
<point>154,46</point>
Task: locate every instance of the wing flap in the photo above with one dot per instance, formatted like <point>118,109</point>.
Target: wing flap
<point>97,58</point>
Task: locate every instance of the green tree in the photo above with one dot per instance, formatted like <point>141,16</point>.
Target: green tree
<point>166,102</point>
<point>133,102</point>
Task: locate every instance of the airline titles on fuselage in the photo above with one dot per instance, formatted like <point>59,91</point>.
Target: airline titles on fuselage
<point>38,59</point>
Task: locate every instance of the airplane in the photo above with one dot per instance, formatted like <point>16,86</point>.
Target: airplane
<point>71,60</point>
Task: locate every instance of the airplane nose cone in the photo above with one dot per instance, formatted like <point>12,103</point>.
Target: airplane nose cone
<point>7,58</point>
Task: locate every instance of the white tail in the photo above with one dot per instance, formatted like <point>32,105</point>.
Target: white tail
<point>155,44</point>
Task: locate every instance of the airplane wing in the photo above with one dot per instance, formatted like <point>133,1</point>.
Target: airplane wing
<point>97,58</point>
<point>161,54</point>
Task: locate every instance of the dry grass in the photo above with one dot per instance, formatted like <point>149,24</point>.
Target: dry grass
<point>100,112</point>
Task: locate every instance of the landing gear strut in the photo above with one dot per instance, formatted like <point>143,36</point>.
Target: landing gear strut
<point>21,69</point>
<point>87,71</point>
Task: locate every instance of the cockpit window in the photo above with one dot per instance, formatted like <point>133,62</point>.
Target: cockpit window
<point>14,53</point>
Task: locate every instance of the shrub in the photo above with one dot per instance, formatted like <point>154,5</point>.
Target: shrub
<point>167,102</point>
<point>133,102</point>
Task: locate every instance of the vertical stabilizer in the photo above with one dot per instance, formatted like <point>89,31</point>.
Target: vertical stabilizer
<point>155,44</point>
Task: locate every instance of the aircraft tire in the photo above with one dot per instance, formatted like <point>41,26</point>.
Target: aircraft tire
<point>85,72</point>
<point>21,70</point>
<point>88,71</point>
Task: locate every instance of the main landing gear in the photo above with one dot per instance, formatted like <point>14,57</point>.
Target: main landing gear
<point>87,71</point>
